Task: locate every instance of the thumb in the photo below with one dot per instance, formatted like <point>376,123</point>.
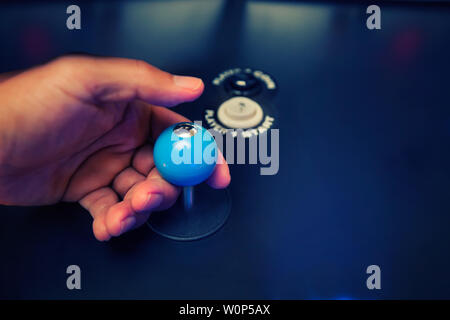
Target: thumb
<point>119,79</point>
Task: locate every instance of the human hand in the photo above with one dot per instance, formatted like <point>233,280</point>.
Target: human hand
<point>82,129</point>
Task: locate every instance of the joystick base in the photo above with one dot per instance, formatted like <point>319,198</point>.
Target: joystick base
<point>208,214</point>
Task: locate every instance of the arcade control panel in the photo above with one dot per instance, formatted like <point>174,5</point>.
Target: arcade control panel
<point>241,98</point>
<point>362,177</point>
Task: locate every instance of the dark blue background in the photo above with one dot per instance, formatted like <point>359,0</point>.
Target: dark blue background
<point>364,125</point>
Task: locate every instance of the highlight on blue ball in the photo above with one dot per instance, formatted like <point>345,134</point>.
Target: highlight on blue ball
<point>185,154</point>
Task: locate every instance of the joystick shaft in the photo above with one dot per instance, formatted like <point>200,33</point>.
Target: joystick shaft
<point>188,197</point>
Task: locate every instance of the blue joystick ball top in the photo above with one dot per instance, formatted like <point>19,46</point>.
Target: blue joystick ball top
<point>185,154</point>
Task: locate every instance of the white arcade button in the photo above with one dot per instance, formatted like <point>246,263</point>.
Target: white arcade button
<point>240,112</point>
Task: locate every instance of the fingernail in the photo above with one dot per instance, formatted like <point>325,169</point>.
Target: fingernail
<point>187,82</point>
<point>127,224</point>
<point>153,201</point>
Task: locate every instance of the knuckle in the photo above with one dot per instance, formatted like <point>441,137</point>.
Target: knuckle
<point>147,71</point>
<point>69,66</point>
<point>142,68</point>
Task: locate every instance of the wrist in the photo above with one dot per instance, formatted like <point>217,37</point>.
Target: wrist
<point>4,158</point>
<point>5,144</point>
<point>6,123</point>
<point>2,141</point>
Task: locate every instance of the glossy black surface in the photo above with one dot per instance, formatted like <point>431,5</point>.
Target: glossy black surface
<point>364,173</point>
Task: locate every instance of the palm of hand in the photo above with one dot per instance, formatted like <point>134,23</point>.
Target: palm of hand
<point>83,151</point>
